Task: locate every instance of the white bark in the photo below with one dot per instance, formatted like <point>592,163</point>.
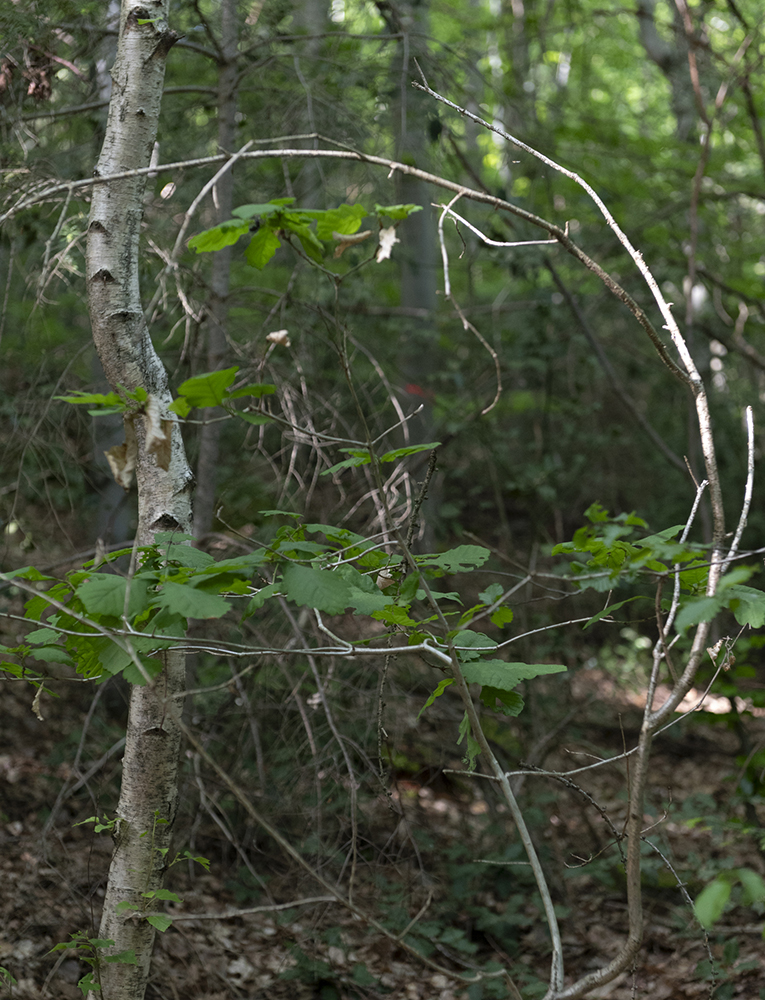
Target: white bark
<point>150,765</point>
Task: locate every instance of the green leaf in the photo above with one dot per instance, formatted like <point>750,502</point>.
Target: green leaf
<point>181,406</point>
<point>133,675</point>
<point>397,212</point>
<point>42,635</point>
<point>492,593</point>
<point>254,418</point>
<point>510,703</point>
<point>107,403</point>
<point>172,537</point>
<point>345,219</point>
<point>190,602</point>
<point>456,560</point>
<point>316,588</point>
<point>505,676</point>
<point>105,593</point>
<point>362,976</point>
<point>712,901</point>
<point>754,886</point>
<point>360,457</point>
<point>311,244</point>
<point>188,556</point>
<point>26,573</point>
<point>262,247</point>
<point>442,686</point>
<point>466,640</point>
<point>391,456</point>
<point>703,609</point>
<point>501,617</point>
<point>163,894</point>
<point>52,654</point>
<point>472,749</point>
<point>261,597</point>
<point>257,389</point>
<point>393,614</point>
<point>88,984</point>
<point>159,920</point>
<point>251,211</point>
<point>126,957</point>
<point>209,389</point>
<point>747,604</point>
<point>224,235</point>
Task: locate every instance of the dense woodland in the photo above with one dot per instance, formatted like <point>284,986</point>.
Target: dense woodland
<point>381,593</point>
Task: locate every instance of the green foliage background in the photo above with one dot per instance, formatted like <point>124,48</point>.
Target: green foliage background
<point>576,81</point>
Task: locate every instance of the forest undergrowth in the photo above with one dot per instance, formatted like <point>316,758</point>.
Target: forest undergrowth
<point>434,847</point>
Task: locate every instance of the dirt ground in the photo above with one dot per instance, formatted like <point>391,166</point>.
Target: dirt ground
<point>52,876</point>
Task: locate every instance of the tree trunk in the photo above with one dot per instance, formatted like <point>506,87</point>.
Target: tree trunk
<point>418,252</point>
<point>217,307</point>
<point>148,796</point>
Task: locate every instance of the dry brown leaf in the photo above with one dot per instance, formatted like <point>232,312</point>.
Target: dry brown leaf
<point>122,457</point>
<point>346,240</point>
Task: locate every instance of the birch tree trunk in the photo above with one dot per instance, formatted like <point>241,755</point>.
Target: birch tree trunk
<point>150,766</point>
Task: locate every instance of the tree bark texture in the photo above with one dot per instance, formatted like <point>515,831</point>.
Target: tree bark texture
<point>149,793</point>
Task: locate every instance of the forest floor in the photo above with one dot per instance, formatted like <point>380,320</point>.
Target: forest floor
<point>51,880</point>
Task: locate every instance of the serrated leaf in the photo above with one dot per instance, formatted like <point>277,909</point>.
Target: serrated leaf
<point>393,614</point>
<point>159,920</point>
<point>209,389</point>
<point>188,556</point>
<point>492,593</point>
<point>181,406</point>
<point>52,654</point>
<point>344,220</point>
<point>316,588</point>
<point>510,703</point>
<point>133,675</point>
<point>26,573</point>
<point>747,604</point>
<point>505,676</point>
<point>702,609</point>
<point>262,247</point>
<point>104,594</point>
<point>456,560</point>
<point>41,635</point>
<point>501,617</point>
<point>190,602</point>
<point>466,641</point>
<point>224,235</point>
<point>397,212</point>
